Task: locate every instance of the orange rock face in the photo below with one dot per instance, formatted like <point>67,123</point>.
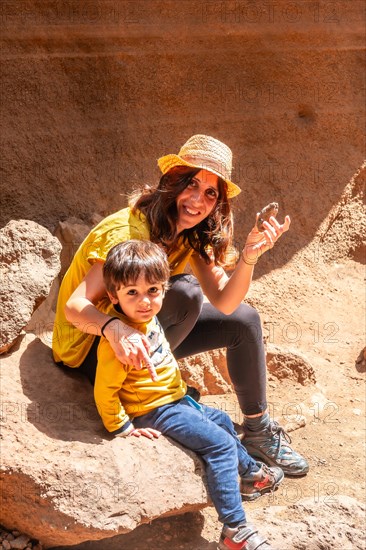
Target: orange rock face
<point>95,92</point>
<point>92,94</point>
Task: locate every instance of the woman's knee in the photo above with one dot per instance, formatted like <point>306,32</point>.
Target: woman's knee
<point>185,292</point>
<point>248,323</point>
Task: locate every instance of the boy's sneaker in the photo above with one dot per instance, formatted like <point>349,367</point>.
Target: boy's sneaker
<point>272,446</point>
<point>244,536</point>
<point>255,484</point>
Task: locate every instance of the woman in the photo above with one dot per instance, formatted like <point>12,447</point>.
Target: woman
<point>189,215</point>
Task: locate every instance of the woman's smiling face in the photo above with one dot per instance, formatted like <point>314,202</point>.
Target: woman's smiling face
<point>197,200</point>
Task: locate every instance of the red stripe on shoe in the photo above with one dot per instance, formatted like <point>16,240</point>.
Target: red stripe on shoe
<point>234,545</point>
<point>262,484</point>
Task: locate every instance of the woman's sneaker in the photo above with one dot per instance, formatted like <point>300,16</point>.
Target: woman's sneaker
<point>256,484</point>
<point>243,536</point>
<point>272,446</point>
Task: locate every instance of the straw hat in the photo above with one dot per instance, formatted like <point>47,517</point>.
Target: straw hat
<point>207,153</point>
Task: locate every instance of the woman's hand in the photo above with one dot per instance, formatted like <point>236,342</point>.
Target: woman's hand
<point>258,242</point>
<point>130,346</point>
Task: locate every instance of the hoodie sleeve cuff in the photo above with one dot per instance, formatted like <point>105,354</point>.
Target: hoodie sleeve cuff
<point>125,430</point>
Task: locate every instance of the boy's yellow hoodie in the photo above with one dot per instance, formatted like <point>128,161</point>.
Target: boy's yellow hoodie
<point>121,392</point>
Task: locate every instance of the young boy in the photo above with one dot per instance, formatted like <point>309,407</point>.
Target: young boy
<point>136,277</point>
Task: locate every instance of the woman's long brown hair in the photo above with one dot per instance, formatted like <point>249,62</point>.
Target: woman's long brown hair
<point>159,206</point>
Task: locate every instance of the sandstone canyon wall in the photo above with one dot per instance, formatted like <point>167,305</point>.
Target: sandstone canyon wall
<point>94,92</point>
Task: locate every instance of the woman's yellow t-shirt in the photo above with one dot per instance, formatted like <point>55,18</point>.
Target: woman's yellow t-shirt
<point>71,345</point>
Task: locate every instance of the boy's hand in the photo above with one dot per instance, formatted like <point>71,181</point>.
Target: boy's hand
<point>150,433</point>
<point>130,346</point>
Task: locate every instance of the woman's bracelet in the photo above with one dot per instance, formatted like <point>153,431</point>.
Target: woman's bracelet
<point>107,323</point>
<point>247,263</point>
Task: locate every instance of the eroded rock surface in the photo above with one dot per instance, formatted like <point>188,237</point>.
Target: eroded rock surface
<point>207,372</point>
<point>64,479</point>
<point>29,262</point>
<point>330,523</point>
<point>333,522</point>
<point>71,234</point>
<point>288,364</point>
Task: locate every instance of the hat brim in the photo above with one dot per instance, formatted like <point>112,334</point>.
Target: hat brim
<point>168,162</point>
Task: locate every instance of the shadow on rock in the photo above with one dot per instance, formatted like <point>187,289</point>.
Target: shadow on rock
<point>62,402</point>
<point>182,532</point>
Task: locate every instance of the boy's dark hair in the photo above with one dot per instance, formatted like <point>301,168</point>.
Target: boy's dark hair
<point>128,260</point>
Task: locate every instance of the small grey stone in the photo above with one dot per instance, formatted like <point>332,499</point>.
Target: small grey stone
<point>20,542</point>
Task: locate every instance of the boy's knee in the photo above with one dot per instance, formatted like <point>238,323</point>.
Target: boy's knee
<point>226,443</point>
<point>222,419</point>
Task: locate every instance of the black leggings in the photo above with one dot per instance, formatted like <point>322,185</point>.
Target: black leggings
<point>192,326</point>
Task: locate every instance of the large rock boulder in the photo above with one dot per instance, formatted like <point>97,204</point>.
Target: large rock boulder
<point>71,234</point>
<point>289,364</point>
<point>207,372</point>
<point>29,262</point>
<point>64,479</point>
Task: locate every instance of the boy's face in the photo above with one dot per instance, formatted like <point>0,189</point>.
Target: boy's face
<point>141,301</point>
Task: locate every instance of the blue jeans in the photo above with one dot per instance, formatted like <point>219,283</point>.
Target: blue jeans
<point>210,433</point>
